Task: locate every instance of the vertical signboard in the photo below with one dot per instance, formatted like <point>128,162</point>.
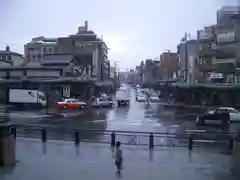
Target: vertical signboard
<point>66,91</point>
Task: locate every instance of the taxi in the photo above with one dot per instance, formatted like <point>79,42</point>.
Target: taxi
<point>71,103</point>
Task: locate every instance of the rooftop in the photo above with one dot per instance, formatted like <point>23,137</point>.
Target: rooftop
<point>8,52</point>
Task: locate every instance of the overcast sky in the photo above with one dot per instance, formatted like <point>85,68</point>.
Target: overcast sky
<point>133,29</point>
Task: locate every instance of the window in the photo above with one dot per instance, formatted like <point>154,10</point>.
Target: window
<point>228,110</point>
<point>9,58</point>
<point>41,97</point>
<point>44,50</point>
<point>232,111</point>
<point>50,50</point>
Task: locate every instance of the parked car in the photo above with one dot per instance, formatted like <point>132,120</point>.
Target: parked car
<point>214,116</point>
<point>71,103</point>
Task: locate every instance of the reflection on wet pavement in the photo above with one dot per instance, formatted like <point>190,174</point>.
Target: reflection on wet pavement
<point>139,116</point>
<point>58,160</point>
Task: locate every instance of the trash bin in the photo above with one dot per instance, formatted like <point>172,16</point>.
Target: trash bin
<point>7,147</point>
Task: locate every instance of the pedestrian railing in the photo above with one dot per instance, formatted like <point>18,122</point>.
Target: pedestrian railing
<point>150,139</point>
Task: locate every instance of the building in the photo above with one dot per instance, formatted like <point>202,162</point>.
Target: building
<point>88,52</point>
<point>35,50</point>
<point>88,47</point>
<point>187,54</point>
<point>169,65</point>
<point>207,52</point>
<point>148,72</point>
<point>9,58</point>
<point>228,43</point>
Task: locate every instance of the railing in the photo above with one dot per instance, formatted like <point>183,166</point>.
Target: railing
<point>150,139</point>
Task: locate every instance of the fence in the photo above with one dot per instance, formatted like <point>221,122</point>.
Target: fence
<point>150,139</point>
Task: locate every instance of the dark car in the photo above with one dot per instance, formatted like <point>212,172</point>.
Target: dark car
<point>215,116</point>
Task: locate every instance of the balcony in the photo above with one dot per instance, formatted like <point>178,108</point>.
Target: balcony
<point>226,37</point>
<point>206,34</point>
<point>223,61</point>
<point>205,64</point>
<point>226,50</point>
<point>207,49</point>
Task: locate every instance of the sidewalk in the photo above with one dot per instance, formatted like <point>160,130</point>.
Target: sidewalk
<point>60,160</point>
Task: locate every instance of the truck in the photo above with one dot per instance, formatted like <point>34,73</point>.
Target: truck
<point>123,96</point>
<point>33,98</point>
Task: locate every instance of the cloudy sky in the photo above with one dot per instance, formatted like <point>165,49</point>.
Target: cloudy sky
<point>133,29</point>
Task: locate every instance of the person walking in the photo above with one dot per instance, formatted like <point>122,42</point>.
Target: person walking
<point>118,158</point>
<point>225,117</point>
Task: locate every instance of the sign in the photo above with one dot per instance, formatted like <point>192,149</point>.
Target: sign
<point>66,91</point>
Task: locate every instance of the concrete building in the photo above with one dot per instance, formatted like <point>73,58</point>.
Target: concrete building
<point>9,58</point>
<point>89,47</point>
<point>169,65</point>
<point>83,52</point>
<point>228,43</point>
<point>35,50</point>
<point>206,53</point>
<point>187,54</point>
<point>149,72</point>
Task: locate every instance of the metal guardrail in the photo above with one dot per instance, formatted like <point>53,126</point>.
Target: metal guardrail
<point>150,139</point>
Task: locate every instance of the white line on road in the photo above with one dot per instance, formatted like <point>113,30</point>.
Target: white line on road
<point>195,130</point>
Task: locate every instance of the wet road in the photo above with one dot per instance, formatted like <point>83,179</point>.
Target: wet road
<point>137,117</point>
<point>90,161</point>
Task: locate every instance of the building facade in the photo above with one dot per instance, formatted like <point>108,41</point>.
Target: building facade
<point>187,54</point>
<point>87,50</point>
<point>228,43</point>
<point>169,65</point>
<point>206,53</point>
<point>35,50</point>
<point>9,58</point>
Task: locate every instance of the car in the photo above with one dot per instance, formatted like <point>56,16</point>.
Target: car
<point>154,98</point>
<point>214,116</point>
<point>102,102</point>
<point>71,103</point>
<point>141,98</point>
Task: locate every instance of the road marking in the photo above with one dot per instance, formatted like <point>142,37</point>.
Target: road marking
<point>205,141</point>
<point>96,121</point>
<point>195,130</point>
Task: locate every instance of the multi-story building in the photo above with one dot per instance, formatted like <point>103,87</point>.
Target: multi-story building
<point>84,52</point>
<point>169,65</point>
<point>228,43</point>
<point>187,54</point>
<point>10,58</point>
<point>35,50</point>
<point>207,52</point>
<point>88,48</point>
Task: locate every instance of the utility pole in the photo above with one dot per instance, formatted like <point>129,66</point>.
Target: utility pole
<point>185,41</point>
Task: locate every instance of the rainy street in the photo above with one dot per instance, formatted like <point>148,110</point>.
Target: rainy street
<point>139,116</point>
<point>91,160</point>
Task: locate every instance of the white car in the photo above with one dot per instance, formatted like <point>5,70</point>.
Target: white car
<point>102,102</point>
<point>141,98</point>
<point>154,98</point>
<point>213,115</point>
